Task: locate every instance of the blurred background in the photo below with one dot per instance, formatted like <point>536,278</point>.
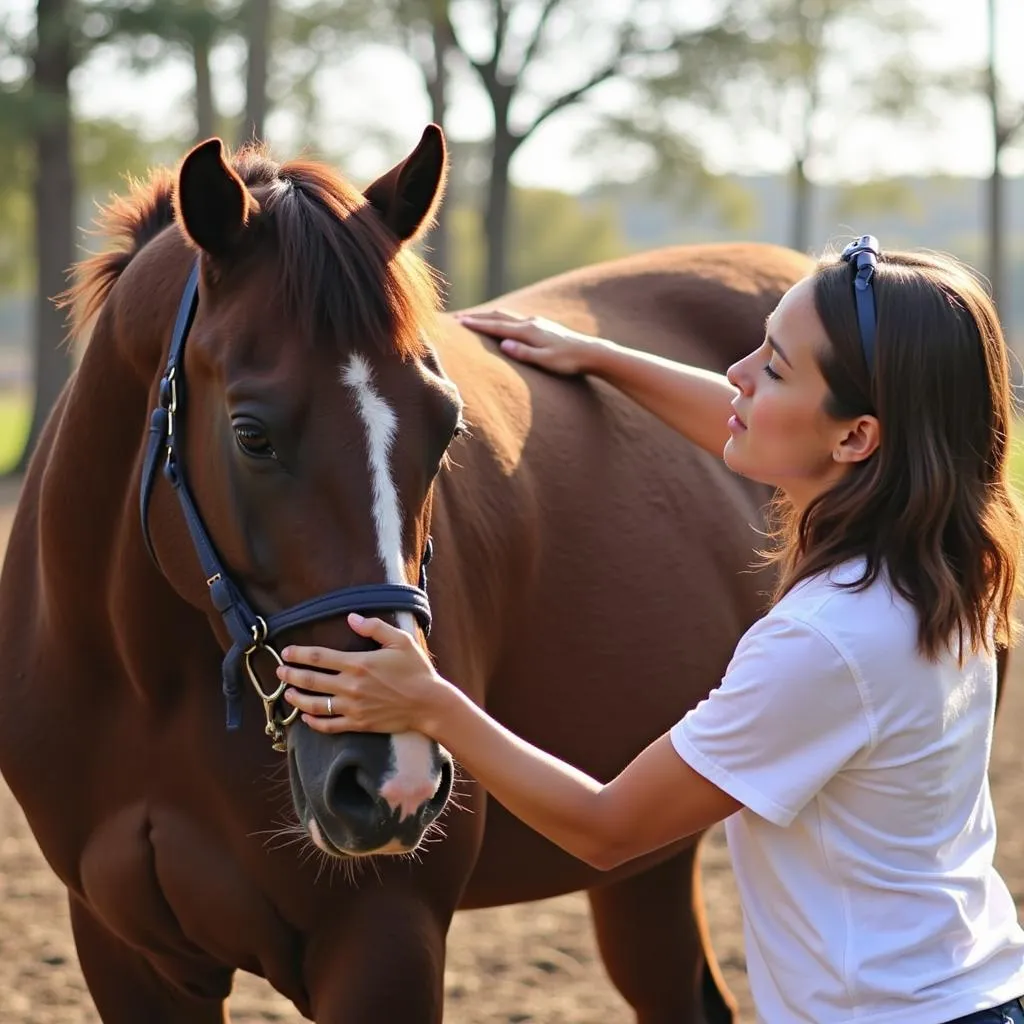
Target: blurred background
<point>579,129</point>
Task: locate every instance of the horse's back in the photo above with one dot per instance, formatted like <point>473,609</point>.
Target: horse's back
<point>695,303</point>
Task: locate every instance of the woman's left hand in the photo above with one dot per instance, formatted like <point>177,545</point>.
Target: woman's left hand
<point>393,689</point>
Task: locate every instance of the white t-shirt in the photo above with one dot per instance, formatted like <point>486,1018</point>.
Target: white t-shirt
<point>863,853</point>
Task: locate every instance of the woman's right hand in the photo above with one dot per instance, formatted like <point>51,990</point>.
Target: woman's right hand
<point>537,341</point>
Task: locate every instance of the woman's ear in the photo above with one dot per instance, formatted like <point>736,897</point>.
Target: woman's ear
<point>860,441</point>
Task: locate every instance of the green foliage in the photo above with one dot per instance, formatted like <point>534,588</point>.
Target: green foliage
<point>551,232</point>
<point>873,197</point>
<point>15,413</point>
<point>1017,459</point>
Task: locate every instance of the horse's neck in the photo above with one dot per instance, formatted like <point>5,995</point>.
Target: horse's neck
<point>90,537</point>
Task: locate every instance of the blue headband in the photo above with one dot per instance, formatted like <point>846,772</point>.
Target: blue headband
<point>864,255</point>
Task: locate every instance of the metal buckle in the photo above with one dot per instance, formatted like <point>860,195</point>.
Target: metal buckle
<point>276,723</point>
<point>172,408</point>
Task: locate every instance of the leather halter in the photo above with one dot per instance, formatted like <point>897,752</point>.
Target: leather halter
<point>249,631</point>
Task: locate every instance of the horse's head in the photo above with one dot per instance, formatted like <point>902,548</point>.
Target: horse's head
<point>316,421</point>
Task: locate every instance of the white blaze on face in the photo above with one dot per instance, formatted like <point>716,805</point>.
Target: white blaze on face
<point>413,777</point>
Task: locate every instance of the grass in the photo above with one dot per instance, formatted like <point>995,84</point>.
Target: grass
<point>1017,458</point>
<point>15,414</point>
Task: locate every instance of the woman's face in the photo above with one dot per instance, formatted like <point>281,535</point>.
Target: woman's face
<point>781,434</point>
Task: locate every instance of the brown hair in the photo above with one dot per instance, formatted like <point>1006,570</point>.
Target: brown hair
<point>933,507</point>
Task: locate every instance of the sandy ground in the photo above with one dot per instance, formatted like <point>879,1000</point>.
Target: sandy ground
<point>532,964</point>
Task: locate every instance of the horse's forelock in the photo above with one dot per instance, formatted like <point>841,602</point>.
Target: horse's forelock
<point>342,272</point>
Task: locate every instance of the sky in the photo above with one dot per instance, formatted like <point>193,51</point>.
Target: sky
<point>388,86</point>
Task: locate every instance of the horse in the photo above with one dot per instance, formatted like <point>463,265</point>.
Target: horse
<point>272,423</point>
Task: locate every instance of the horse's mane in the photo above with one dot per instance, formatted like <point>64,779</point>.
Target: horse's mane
<point>340,268</point>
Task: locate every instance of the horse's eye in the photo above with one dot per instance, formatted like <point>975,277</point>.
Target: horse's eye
<point>460,429</point>
<point>252,439</point>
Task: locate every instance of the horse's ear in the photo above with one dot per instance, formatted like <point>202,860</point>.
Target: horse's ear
<point>407,197</point>
<point>213,204</point>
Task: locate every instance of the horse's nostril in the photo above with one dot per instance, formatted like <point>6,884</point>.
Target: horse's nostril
<point>433,807</point>
<point>349,788</point>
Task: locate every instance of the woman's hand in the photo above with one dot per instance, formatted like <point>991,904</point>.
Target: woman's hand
<point>393,689</point>
<point>537,341</point>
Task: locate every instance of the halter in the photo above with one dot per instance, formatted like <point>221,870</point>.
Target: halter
<point>249,632</point>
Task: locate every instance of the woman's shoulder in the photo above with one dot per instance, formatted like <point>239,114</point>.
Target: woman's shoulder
<point>863,618</point>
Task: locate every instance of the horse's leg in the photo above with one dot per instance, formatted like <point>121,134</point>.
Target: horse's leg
<point>383,962</point>
<point>654,942</point>
<point>126,989</point>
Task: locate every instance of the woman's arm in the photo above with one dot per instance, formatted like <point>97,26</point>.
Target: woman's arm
<point>655,800</point>
<point>695,402</point>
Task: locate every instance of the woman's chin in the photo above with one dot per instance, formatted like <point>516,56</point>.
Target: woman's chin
<point>738,461</point>
<point>733,458</point>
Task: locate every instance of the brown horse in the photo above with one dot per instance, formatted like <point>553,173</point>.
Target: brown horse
<point>307,438</point>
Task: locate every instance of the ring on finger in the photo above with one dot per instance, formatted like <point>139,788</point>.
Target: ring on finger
<point>330,707</point>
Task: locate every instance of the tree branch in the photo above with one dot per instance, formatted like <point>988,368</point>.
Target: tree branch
<point>1009,128</point>
<point>610,70</point>
<point>489,70</point>
<point>534,44</point>
<point>443,15</point>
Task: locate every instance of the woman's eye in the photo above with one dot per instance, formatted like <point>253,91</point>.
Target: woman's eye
<point>771,373</point>
<point>253,441</point>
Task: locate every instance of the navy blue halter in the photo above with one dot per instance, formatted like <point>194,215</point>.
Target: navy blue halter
<point>249,632</point>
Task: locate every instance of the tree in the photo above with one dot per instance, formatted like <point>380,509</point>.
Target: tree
<point>258,15</point>
<point>53,202</point>
<point>1006,123</point>
<point>646,42</point>
<point>511,48</point>
<point>815,64</point>
<point>557,232</point>
<point>169,26</point>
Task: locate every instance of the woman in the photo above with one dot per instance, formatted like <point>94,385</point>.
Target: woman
<point>852,729</point>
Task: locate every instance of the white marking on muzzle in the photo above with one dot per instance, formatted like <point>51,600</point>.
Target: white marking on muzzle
<point>413,777</point>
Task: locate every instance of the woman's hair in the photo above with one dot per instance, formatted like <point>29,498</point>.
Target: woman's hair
<point>933,507</point>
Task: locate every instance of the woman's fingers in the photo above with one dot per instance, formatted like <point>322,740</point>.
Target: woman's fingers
<point>500,326</point>
<point>523,352</point>
<point>326,659</point>
<point>339,723</point>
<point>319,704</point>
<point>376,629</point>
<point>492,314</point>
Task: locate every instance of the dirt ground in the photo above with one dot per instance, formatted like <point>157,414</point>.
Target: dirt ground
<point>532,964</point>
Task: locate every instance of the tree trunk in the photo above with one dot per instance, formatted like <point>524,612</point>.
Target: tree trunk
<point>205,113</point>
<point>256,70</point>
<point>54,195</point>
<point>438,242</point>
<point>496,213</point>
<point>995,181</point>
<point>800,226</point>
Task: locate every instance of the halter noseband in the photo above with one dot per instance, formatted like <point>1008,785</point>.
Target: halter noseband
<point>249,632</point>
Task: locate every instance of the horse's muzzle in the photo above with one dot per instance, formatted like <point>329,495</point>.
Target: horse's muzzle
<point>367,793</point>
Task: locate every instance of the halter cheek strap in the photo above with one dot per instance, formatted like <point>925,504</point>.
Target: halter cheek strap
<point>249,631</point>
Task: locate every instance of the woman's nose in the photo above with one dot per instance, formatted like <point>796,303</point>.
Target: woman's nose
<point>737,376</point>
